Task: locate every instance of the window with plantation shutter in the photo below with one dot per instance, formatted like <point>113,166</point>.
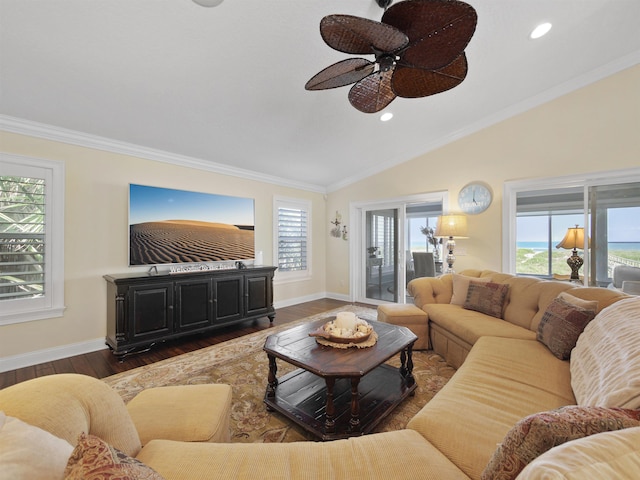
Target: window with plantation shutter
<point>31,249</point>
<point>293,237</point>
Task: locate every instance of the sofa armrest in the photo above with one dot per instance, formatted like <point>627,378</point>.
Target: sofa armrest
<point>427,290</point>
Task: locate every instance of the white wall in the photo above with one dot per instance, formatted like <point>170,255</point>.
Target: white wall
<point>596,128</point>
<point>96,221</point>
<point>592,129</point>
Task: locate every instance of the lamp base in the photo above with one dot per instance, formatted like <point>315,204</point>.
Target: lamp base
<point>451,244</point>
<point>575,262</point>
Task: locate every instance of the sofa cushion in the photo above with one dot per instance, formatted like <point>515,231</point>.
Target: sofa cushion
<point>28,452</point>
<point>94,459</point>
<point>474,411</point>
<point>605,364</point>
<point>561,325</point>
<point>381,456</point>
<point>609,455</point>
<point>470,325</point>
<point>67,404</point>
<point>537,433</point>
<point>461,287</point>
<point>486,297</point>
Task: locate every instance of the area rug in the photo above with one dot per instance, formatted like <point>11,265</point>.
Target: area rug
<point>242,364</point>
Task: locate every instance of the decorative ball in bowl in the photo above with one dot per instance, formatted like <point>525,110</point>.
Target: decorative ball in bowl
<point>344,329</point>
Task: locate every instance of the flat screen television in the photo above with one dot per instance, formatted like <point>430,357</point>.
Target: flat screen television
<point>168,226</point>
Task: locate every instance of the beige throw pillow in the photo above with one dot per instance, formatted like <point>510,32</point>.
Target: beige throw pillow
<point>28,452</point>
<point>461,286</point>
<point>586,304</point>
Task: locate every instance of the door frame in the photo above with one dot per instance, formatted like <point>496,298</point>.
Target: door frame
<point>357,244</point>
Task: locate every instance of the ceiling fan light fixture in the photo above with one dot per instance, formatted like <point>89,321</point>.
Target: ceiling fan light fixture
<point>386,116</point>
<point>540,31</point>
<point>208,3</point>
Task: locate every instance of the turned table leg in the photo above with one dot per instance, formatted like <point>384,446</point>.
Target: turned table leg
<point>406,366</point>
<point>330,412</point>
<point>354,422</point>
<point>272,379</point>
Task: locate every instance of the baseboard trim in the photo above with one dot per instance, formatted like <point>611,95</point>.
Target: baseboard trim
<point>50,354</point>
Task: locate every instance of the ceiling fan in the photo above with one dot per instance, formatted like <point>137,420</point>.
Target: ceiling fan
<point>418,47</point>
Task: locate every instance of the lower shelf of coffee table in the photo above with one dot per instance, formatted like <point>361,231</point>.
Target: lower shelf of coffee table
<point>301,396</point>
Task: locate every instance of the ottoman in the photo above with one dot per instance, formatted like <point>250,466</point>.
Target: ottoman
<point>410,316</point>
<point>189,413</point>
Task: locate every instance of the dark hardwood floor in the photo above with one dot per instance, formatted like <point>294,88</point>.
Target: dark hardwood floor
<point>103,363</point>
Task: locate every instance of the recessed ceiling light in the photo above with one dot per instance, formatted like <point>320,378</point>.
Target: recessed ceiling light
<point>385,117</point>
<point>540,30</point>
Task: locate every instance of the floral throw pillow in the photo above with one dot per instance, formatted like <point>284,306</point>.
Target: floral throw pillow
<point>561,325</point>
<point>94,459</point>
<point>487,298</point>
<point>534,435</point>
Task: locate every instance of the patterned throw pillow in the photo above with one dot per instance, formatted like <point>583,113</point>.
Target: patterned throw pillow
<point>460,284</point>
<point>94,459</point>
<point>561,325</point>
<point>487,298</point>
<point>538,433</point>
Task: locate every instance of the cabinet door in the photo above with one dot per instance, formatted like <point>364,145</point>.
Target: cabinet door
<point>227,299</point>
<point>194,300</point>
<point>150,311</point>
<point>259,296</point>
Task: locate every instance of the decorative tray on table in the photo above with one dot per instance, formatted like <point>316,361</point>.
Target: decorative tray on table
<point>352,330</point>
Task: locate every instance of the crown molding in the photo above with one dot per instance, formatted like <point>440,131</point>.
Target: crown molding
<point>72,137</point>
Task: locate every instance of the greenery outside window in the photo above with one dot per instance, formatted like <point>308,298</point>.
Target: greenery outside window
<point>292,241</point>
<point>538,213</point>
<point>31,239</point>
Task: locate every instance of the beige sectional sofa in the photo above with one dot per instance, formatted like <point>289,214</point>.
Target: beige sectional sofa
<point>505,377</point>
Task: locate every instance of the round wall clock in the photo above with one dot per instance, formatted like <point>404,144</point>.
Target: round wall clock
<point>474,198</point>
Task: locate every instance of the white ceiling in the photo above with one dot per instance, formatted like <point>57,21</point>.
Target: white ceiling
<point>223,87</point>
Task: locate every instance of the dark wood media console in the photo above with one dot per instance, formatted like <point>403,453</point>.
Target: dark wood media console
<point>144,309</point>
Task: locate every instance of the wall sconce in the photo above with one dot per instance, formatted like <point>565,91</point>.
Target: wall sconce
<point>337,231</point>
<point>573,239</point>
<point>451,226</point>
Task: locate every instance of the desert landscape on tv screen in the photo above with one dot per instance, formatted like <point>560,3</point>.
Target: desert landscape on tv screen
<point>177,226</point>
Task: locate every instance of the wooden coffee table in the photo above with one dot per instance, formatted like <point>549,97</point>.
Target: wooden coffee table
<point>339,393</point>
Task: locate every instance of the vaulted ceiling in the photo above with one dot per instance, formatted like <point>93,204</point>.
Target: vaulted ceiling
<point>223,87</point>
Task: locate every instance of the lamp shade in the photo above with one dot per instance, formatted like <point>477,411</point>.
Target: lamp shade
<point>451,226</point>
<point>574,238</point>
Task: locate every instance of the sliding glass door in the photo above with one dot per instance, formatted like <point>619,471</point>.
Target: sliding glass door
<point>392,245</point>
<point>381,262</point>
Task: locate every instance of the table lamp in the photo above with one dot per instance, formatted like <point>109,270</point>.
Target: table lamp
<point>451,226</point>
<point>573,239</point>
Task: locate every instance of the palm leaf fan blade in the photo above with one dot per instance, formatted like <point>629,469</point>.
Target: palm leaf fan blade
<point>360,36</point>
<point>373,93</point>
<point>410,82</point>
<point>340,74</point>
<point>438,30</point>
